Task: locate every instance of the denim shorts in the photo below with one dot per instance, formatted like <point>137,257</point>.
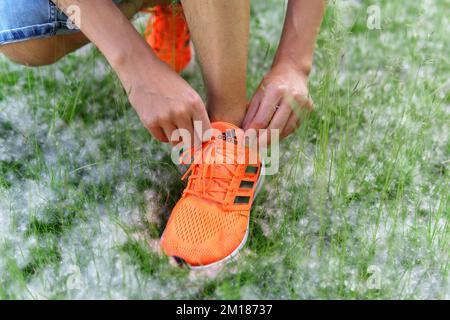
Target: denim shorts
<point>22,20</point>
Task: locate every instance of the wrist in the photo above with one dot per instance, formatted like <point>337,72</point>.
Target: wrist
<point>303,69</point>
<point>129,56</point>
<point>133,65</point>
<point>297,61</point>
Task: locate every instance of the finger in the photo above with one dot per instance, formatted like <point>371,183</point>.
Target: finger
<point>158,134</point>
<point>266,110</point>
<point>281,116</point>
<point>302,103</point>
<point>291,126</point>
<point>279,119</point>
<point>302,106</point>
<point>252,109</point>
<point>202,124</point>
<point>169,129</point>
<point>187,124</point>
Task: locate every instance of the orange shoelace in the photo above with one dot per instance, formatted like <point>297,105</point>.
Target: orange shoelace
<point>205,176</point>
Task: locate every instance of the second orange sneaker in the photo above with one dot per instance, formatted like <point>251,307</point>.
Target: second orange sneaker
<point>168,34</point>
<point>210,223</point>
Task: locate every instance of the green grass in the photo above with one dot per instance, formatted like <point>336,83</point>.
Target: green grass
<point>360,208</point>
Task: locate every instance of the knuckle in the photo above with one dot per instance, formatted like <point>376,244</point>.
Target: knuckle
<point>280,88</point>
<point>273,89</point>
<point>158,120</point>
<point>298,96</point>
<point>303,101</point>
<point>194,100</point>
<point>197,108</point>
<point>178,112</point>
<point>165,119</point>
<point>149,122</point>
<point>259,123</point>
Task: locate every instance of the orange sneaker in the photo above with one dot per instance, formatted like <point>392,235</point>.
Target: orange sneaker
<point>168,34</point>
<point>210,223</point>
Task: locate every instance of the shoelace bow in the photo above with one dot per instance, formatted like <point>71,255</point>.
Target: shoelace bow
<point>202,172</point>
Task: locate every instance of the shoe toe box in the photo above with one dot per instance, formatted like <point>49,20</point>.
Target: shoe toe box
<point>201,233</point>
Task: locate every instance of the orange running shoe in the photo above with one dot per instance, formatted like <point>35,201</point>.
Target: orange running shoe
<point>168,34</point>
<point>210,223</point>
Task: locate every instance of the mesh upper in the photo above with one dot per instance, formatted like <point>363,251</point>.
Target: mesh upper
<point>200,232</point>
<point>197,225</point>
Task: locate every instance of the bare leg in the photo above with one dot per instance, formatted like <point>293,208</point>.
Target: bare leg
<point>46,51</point>
<point>220,31</point>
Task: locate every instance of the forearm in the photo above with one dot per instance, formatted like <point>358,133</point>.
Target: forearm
<point>303,20</point>
<point>109,29</point>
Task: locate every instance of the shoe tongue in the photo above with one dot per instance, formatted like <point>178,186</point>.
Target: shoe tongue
<point>228,132</point>
<point>227,135</point>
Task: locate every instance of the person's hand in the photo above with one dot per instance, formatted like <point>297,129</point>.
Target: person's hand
<point>163,100</point>
<point>280,102</point>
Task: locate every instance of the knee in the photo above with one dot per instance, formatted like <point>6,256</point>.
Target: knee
<point>30,54</point>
